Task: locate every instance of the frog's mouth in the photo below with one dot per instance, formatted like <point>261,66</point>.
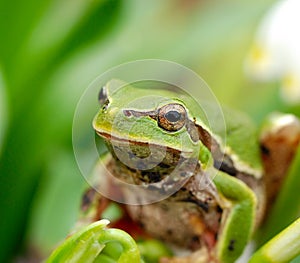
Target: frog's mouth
<point>119,141</point>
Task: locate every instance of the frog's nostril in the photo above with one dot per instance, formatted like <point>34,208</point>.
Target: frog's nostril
<point>127,113</point>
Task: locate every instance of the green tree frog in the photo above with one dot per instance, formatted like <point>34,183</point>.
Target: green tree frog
<point>224,189</point>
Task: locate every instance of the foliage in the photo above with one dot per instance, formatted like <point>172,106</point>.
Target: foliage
<point>96,243</point>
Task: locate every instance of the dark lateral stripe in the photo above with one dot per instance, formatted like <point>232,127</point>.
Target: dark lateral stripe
<point>222,161</point>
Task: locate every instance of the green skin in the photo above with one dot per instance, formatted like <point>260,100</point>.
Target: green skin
<point>238,177</point>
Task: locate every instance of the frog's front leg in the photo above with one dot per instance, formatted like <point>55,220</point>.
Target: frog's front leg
<point>238,218</point>
<point>238,205</point>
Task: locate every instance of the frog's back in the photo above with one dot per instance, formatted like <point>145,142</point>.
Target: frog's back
<point>233,130</point>
<point>241,138</point>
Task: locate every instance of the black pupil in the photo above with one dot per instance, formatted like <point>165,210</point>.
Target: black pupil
<point>173,116</point>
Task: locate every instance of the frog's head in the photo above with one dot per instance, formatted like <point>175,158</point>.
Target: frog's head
<point>140,121</point>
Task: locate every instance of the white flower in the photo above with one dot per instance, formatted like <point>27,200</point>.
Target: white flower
<point>275,54</point>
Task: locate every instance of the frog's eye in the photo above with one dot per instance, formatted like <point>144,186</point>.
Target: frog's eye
<point>171,117</point>
<point>102,96</point>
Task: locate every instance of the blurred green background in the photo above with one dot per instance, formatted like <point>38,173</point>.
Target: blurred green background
<point>51,50</point>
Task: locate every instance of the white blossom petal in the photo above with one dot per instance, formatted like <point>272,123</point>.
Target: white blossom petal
<point>276,52</point>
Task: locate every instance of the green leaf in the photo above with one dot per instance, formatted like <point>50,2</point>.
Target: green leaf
<point>86,246</point>
<point>286,207</point>
<point>3,110</point>
<point>282,248</point>
<point>152,250</point>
